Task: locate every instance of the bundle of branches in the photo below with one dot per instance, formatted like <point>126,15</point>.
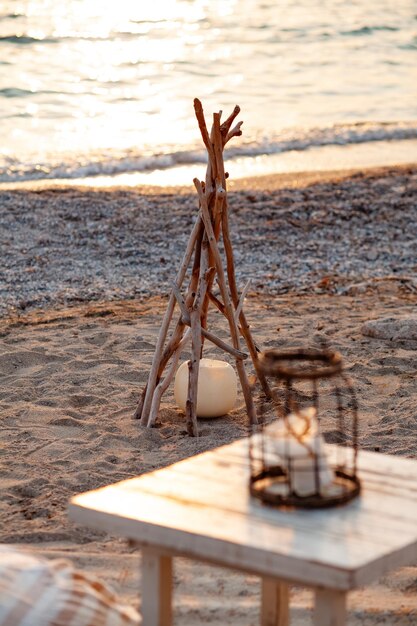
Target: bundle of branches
<point>204,259</point>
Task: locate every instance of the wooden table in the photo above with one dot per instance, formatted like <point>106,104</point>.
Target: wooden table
<point>200,508</point>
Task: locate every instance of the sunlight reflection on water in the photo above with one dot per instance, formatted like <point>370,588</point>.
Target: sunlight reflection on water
<point>95,76</point>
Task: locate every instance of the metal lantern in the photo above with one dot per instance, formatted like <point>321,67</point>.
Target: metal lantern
<point>290,465</point>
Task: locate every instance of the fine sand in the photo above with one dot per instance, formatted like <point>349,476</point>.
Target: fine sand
<point>70,381</point>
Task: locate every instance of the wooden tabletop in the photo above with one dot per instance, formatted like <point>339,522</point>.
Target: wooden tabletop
<point>201,508</point>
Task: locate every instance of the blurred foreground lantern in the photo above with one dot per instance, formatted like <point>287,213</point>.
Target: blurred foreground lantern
<point>289,462</point>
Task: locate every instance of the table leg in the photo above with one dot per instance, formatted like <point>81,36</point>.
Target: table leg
<point>156,589</point>
<point>330,608</point>
<point>274,603</point>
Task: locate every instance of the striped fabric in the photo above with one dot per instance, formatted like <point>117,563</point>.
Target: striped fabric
<point>38,592</point>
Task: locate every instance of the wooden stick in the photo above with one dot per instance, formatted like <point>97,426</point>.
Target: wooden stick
<point>225,127</point>
<point>211,193</point>
<point>206,333</point>
<point>194,362</point>
<point>138,411</point>
<point>147,401</point>
<point>238,354</point>
<point>217,303</point>
<point>220,306</point>
<point>206,274</point>
<point>164,384</point>
<point>205,277</point>
<point>241,301</point>
<point>219,197</point>
<point>235,132</point>
<point>172,345</point>
<point>181,302</point>
<point>180,326</point>
<point>204,309</point>
<point>193,370</point>
<point>195,274</point>
<point>228,307</point>
<point>235,297</point>
<point>211,165</point>
<point>218,208</point>
<point>218,154</point>
<point>199,113</point>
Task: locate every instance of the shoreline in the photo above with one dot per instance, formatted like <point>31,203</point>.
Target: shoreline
<point>266,182</point>
<point>315,159</point>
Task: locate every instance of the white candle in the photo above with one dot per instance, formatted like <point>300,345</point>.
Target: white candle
<point>216,391</point>
<point>296,450</point>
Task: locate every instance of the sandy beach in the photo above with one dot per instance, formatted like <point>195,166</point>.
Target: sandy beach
<point>331,257</point>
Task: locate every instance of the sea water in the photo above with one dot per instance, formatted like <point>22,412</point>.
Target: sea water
<point>105,88</point>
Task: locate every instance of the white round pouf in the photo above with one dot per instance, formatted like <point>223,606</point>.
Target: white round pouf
<point>216,391</point>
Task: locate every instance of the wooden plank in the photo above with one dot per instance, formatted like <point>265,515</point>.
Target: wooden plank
<point>345,539</point>
<point>274,603</point>
<point>396,476</point>
<point>219,476</point>
<point>203,503</point>
<point>211,482</point>
<point>235,471</point>
<point>156,589</point>
<point>375,569</point>
<point>218,493</point>
<point>259,549</point>
<point>240,540</point>
<point>389,466</point>
<point>357,520</point>
<point>236,464</point>
<point>329,608</point>
<point>382,463</point>
<point>215,472</point>
<point>243,530</point>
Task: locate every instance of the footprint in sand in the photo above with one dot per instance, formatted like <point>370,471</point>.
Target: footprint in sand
<point>98,339</point>
<point>79,401</point>
<point>65,421</point>
<point>28,360</point>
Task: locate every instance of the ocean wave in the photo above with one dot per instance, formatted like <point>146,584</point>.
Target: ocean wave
<point>27,39</point>
<point>108,164</point>
<point>368,30</point>
<point>337,134</point>
<point>23,39</point>
<point>15,92</point>
<point>11,16</point>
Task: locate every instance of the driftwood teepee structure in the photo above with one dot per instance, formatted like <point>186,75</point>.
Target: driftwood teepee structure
<point>205,259</point>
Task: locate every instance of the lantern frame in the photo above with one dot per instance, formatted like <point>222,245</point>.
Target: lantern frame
<point>296,433</point>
